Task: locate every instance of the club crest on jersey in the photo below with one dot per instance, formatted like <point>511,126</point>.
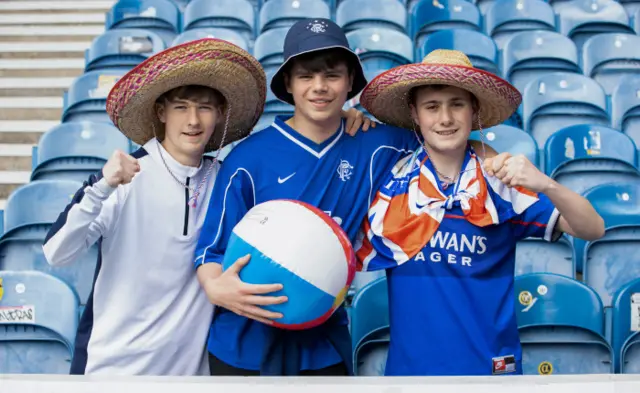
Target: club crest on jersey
<point>345,170</point>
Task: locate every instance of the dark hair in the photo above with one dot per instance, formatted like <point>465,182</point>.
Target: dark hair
<point>197,93</point>
<point>322,60</point>
<point>413,93</point>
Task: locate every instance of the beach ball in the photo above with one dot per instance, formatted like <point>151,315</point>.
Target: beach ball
<point>299,246</point>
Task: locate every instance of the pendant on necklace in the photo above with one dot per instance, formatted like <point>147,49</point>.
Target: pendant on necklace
<point>445,185</point>
<point>193,201</point>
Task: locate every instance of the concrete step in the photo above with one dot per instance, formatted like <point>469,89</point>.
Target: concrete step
<point>30,19</point>
<point>42,68</point>
<point>21,108</point>
<point>50,33</point>
<point>10,180</point>
<point>25,131</point>
<point>43,50</point>
<point>47,6</point>
<point>34,87</point>
<point>15,157</point>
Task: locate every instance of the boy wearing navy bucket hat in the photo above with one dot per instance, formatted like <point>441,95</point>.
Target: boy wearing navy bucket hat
<point>305,157</point>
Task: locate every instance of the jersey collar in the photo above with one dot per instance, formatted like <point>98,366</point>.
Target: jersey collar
<point>316,149</point>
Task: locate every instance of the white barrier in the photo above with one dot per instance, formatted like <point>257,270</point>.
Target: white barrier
<point>521,384</point>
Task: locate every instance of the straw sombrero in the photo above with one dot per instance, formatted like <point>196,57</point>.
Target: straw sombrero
<point>386,96</point>
<point>215,63</point>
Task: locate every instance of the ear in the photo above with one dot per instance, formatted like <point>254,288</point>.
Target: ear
<point>287,80</point>
<point>161,112</point>
<point>352,77</point>
<point>414,113</point>
<point>221,114</point>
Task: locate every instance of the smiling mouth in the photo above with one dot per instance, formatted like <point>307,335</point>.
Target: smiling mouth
<point>445,133</point>
<point>195,133</point>
<point>320,101</point>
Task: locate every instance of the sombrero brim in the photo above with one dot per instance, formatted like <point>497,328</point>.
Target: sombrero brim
<point>386,96</point>
<point>211,62</point>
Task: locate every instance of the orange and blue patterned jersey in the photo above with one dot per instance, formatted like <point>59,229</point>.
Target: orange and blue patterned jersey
<point>449,255</point>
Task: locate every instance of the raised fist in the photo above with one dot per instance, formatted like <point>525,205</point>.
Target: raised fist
<point>120,169</point>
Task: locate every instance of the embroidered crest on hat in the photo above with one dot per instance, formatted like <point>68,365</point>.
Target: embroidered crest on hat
<point>317,26</point>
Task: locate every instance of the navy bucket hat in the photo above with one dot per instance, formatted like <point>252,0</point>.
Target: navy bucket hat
<point>311,35</point>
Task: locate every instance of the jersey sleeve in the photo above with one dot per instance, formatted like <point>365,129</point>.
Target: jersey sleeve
<point>232,196</point>
<point>538,221</point>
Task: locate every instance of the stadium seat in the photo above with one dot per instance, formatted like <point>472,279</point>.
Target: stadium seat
<point>561,99</point>
<point>506,17</point>
<point>86,98</point>
<point>480,48</point>
<point>631,7</point>
<point>636,21</point>
<point>609,56</point>
<point>613,260</point>
<point>38,320</point>
<point>625,107</point>
<point>30,211</point>
<point>370,328</point>
<point>584,156</point>
<point>285,13</point>
<point>268,48</point>
<point>429,16</point>
<point>74,151</point>
<point>581,19</point>
<point>380,47</point>
<point>561,326</point>
<point>369,74</point>
<point>213,32</point>
<point>626,328</point>
<point>158,16</point>
<point>503,138</point>
<point>531,54</point>
<point>122,49</point>
<point>273,106</point>
<point>357,14</point>
<point>535,255</point>
<point>238,15</point>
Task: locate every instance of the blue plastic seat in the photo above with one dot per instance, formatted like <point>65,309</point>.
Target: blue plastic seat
<point>370,328</point>
<point>369,74</point>
<point>503,138</point>
<point>229,35</point>
<point>531,54</point>
<point>506,17</point>
<point>159,16</point>
<point>619,206</point>
<point>611,261</point>
<point>535,255</point>
<point>626,336</point>
<point>86,99</point>
<point>381,48</point>
<point>561,99</point>
<point>561,322</point>
<point>29,213</point>
<point>427,17</point>
<point>273,106</point>
<point>238,15</point>
<point>625,107</point>
<point>39,317</point>
<point>357,14</point>
<point>122,49</point>
<point>268,48</point>
<point>631,7</point>
<point>584,156</point>
<point>285,13</point>
<point>581,19</point>
<point>608,57</point>
<point>480,48</point>
<point>74,151</point>
<point>636,21</point>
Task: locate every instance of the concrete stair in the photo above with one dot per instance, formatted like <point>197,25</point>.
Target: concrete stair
<point>42,46</point>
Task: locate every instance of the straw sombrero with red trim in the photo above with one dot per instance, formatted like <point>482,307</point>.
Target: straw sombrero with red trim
<point>211,62</point>
<point>386,96</point>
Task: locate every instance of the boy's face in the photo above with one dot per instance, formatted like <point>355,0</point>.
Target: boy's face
<point>444,116</point>
<point>319,96</point>
<point>189,124</point>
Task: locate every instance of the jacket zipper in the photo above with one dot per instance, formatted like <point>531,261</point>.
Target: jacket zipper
<point>186,210</point>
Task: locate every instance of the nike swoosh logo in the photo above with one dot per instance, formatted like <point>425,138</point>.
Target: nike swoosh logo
<point>280,181</point>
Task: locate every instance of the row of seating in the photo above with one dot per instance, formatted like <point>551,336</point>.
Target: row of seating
<point>573,18</point>
<point>564,327</point>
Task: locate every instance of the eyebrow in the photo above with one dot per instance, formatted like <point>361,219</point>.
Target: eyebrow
<point>439,102</point>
